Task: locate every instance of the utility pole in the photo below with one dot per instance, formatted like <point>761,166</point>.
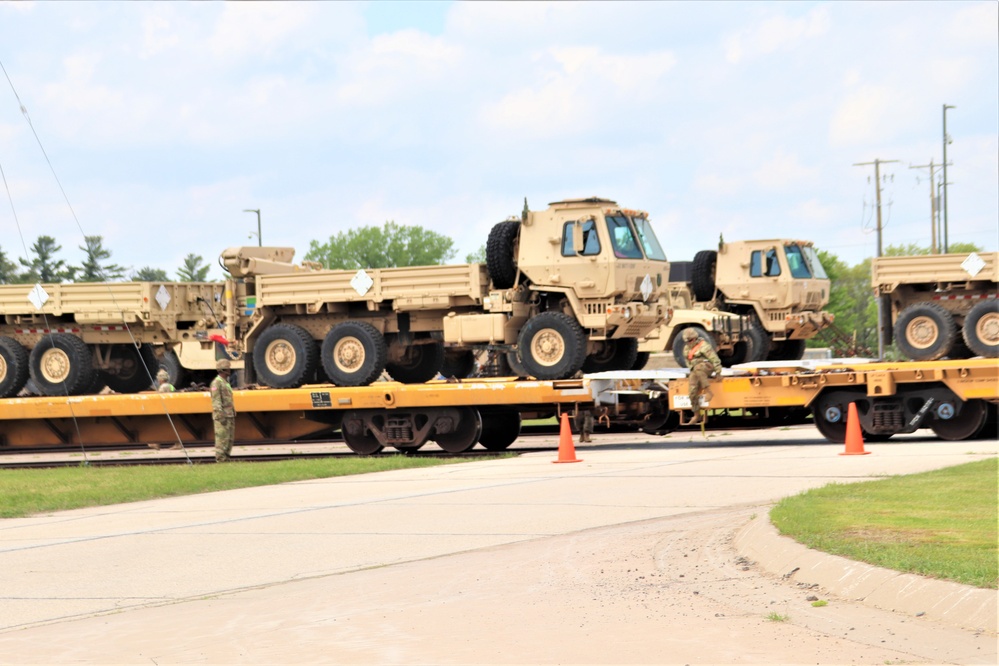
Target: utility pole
<point>946,140</point>
<point>882,327</point>
<point>260,241</point>
<point>933,202</point>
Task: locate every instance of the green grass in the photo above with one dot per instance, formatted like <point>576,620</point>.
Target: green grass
<point>940,524</point>
<point>777,617</point>
<point>25,492</point>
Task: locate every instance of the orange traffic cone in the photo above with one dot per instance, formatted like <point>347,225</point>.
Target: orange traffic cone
<point>854,436</point>
<point>566,449</point>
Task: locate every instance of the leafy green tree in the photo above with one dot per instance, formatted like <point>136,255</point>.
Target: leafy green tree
<point>94,269</point>
<point>193,270</point>
<point>45,267</point>
<point>150,274</point>
<point>8,270</point>
<point>851,300</point>
<point>915,249</point>
<point>477,257</point>
<point>384,247</point>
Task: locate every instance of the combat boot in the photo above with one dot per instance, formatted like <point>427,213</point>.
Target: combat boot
<point>696,418</point>
<point>707,395</point>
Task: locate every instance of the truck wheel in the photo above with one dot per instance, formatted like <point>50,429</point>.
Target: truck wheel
<point>702,275</point>
<point>678,343</point>
<point>458,364</point>
<point>748,348</point>
<point>787,350</point>
<point>514,364</point>
<point>465,429</point>
<point>641,360</point>
<point>500,258</point>
<point>284,356</point>
<point>500,429</point>
<point>421,363</point>
<point>925,332</point>
<point>613,355</point>
<point>552,345</point>
<point>132,369</point>
<point>179,376</point>
<point>981,329</point>
<point>13,367</point>
<point>354,353</point>
<point>61,364</point>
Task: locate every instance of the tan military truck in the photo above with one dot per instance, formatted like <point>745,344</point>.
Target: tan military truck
<point>733,336</point>
<point>577,284</point>
<point>72,339</point>
<point>780,283</point>
<point>941,304</point>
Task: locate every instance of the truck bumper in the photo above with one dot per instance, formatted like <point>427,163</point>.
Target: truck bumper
<point>803,325</point>
<point>635,319</point>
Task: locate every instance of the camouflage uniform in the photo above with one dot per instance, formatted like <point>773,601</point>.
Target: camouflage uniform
<point>223,413</point>
<point>163,379</point>
<point>704,364</point>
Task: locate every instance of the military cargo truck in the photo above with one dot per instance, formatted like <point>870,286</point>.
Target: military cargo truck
<point>941,304</point>
<point>779,283</point>
<point>77,338</point>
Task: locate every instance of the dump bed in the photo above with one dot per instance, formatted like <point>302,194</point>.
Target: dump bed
<point>110,302</point>
<point>409,288</point>
<point>889,272</point>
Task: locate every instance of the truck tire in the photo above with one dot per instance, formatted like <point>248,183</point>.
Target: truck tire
<point>678,343</point>
<point>458,364</point>
<point>514,364</point>
<point>500,429</point>
<point>641,360</point>
<point>552,345</point>
<point>61,364</point>
<point>179,376</point>
<point>284,356</point>
<point>422,363</point>
<point>613,355</point>
<point>136,370</point>
<point>354,353</point>
<point>702,275</point>
<point>13,367</point>
<point>500,258</point>
<point>753,346</point>
<point>787,350</point>
<point>981,329</point>
<point>925,332</point>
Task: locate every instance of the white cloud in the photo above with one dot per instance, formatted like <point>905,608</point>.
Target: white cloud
<point>775,34</point>
<point>784,171</point>
<point>866,115</point>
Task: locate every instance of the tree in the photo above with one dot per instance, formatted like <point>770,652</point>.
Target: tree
<point>192,270</point>
<point>45,267</point>
<point>385,247</point>
<point>150,274</point>
<point>477,257</point>
<point>914,249</point>
<point>851,300</point>
<point>8,270</point>
<point>93,270</point>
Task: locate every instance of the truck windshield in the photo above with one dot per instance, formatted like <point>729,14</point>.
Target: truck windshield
<point>647,236</point>
<point>796,262</point>
<point>812,257</point>
<point>623,238</point>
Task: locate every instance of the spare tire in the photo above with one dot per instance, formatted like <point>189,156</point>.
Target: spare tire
<point>500,260</point>
<point>702,275</point>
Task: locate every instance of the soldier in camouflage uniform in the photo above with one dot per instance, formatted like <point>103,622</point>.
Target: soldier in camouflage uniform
<point>163,384</point>
<point>704,364</point>
<point>223,412</point>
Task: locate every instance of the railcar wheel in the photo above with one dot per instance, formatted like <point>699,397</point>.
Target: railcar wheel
<point>552,345</point>
<point>465,429</point>
<point>830,420</point>
<point>356,435</point>
<point>613,355</point>
<point>13,367</point>
<point>284,356</point>
<point>421,363</point>
<point>678,344</point>
<point>981,328</point>
<point>500,429</point>
<point>131,369</point>
<point>61,364</point>
<point>925,332</point>
<point>965,424</point>
<point>354,353</point>
<point>458,364</point>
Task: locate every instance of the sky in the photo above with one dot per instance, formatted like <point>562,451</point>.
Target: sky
<point>155,125</point>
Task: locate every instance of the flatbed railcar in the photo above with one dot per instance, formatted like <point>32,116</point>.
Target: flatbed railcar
<point>405,416</point>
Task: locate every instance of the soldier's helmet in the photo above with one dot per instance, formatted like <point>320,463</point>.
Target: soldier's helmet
<point>689,334</point>
<point>163,375</point>
<point>223,365</point>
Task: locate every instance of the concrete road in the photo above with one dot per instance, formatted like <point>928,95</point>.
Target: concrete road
<point>648,551</point>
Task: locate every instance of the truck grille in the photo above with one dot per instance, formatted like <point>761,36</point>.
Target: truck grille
<point>778,315</point>
<point>598,307</point>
